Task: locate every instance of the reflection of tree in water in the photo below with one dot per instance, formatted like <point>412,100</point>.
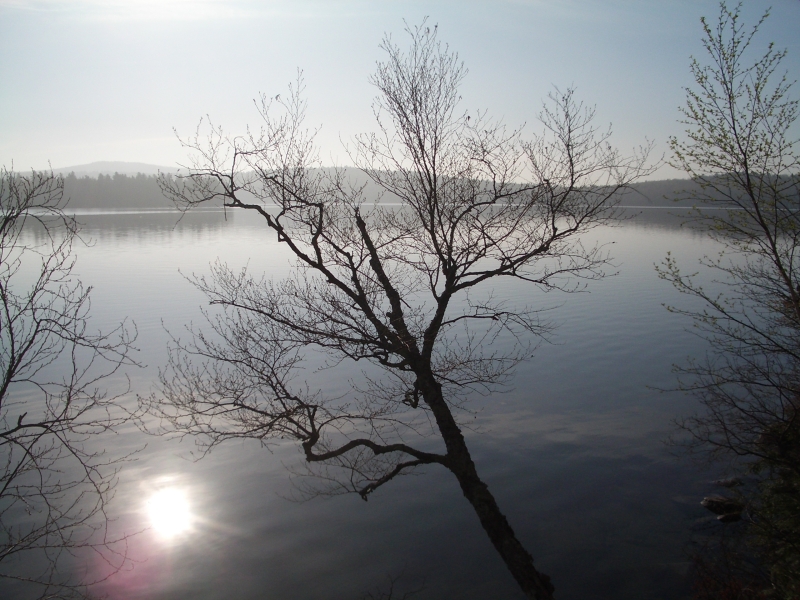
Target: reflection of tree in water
<point>394,589</point>
<point>115,227</point>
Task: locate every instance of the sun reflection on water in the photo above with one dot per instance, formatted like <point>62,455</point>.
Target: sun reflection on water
<point>170,512</point>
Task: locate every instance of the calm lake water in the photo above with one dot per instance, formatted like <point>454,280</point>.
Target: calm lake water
<point>574,452</point>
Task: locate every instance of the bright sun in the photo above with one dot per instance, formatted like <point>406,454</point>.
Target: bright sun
<point>169,512</point>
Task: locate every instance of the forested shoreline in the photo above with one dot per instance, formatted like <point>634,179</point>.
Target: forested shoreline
<point>121,191</point>
<point>114,191</point>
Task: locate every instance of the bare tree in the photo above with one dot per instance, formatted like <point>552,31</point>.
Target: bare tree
<point>406,290</point>
<point>740,147</point>
<point>53,485</point>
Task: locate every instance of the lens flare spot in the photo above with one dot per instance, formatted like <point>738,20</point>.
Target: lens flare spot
<point>169,512</point>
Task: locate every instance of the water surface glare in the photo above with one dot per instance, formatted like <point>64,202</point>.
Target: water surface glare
<point>573,453</point>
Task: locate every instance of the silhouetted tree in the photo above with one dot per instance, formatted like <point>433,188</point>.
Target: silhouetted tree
<point>406,289</point>
<point>740,149</point>
<point>53,485</point>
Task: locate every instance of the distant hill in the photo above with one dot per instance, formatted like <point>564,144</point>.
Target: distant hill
<point>106,167</point>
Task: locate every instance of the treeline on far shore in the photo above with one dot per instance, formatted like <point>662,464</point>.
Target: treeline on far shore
<point>120,191</point>
<point>115,191</point>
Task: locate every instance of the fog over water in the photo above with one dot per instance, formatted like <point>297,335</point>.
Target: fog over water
<point>573,451</point>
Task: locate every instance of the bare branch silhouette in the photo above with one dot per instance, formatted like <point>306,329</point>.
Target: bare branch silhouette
<point>54,483</point>
<point>407,291</point>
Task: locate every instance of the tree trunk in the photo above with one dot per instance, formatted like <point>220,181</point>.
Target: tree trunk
<point>534,584</point>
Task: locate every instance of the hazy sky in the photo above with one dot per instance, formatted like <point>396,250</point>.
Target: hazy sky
<point>89,80</point>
